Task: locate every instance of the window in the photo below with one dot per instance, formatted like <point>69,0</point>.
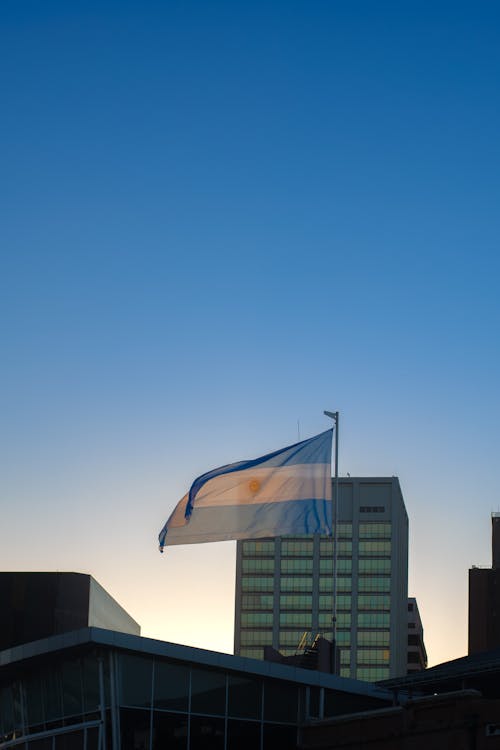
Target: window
<point>258,548</point>
<point>343,619</point>
<point>374,601</point>
<point>295,601</point>
<point>368,656</point>
<point>256,619</point>
<point>256,638</point>
<point>244,697</point>
<point>373,548</point>
<point>257,565</point>
<point>294,583</point>
<point>254,583</point>
<point>326,583</point>
<point>292,565</point>
<point>374,583</point>
<point>291,548</point>
<point>343,565</point>
<point>373,619</point>
<point>290,637</point>
<point>171,686</point>
<point>208,692</point>
<point>326,602</point>
<point>368,565</point>
<point>300,619</point>
<point>371,509</point>
<point>375,530</point>
<point>326,548</point>
<point>373,638</point>
<point>257,601</point>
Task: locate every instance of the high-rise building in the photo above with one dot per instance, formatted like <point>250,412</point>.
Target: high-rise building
<point>484,598</point>
<point>284,585</point>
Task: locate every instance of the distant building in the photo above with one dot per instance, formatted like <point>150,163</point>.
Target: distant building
<point>484,598</point>
<point>284,585</point>
<point>417,655</point>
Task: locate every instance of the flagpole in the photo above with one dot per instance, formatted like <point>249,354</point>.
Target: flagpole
<point>335,494</point>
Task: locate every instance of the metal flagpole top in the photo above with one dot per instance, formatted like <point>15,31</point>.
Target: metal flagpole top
<point>332,414</point>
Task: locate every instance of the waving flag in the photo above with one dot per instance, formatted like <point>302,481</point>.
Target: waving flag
<point>285,492</point>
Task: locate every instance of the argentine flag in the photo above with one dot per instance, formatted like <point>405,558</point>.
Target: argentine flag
<point>285,492</point>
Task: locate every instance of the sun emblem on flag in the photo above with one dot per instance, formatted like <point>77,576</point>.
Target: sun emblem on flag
<point>254,485</point>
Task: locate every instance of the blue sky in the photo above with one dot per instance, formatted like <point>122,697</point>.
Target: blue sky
<point>218,220</point>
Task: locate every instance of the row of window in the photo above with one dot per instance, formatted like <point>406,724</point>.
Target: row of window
<point>305,565</point>
<point>366,584</point>
<point>304,544</point>
<point>344,548</point>
<point>265,602</point>
<point>304,619</point>
<point>365,638</point>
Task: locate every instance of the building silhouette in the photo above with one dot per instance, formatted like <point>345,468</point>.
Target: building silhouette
<point>484,598</point>
<point>417,654</point>
<point>284,585</point>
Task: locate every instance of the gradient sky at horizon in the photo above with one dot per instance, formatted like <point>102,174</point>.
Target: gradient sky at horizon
<point>218,220</point>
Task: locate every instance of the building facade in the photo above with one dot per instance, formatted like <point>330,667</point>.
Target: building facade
<point>284,585</point>
<point>95,689</point>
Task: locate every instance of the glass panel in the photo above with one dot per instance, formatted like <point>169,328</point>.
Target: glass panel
<point>296,583</point>
<point>373,619</point>
<point>208,692</point>
<point>252,652</point>
<point>42,744</point>
<point>378,583</point>
<point>280,702</point>
<point>373,656</point>
<point>300,619</point>
<point>171,690</point>
<point>257,565</point>
<point>295,601</point>
<point>292,548</point>
<point>257,601</point>
<point>92,739</point>
<point>290,637</point>
<point>292,565</point>
<point>72,688</point>
<point>344,565</point>
<point>327,547</point>
<point>343,583</point>
<point>256,637</point>
<point>343,637</point>
<point>373,638</point>
<point>374,548</point>
<point>257,583</point>
<point>206,733</point>
<point>375,530</point>
<point>244,697</point>
<point>374,601</point>
<point>52,697</point>
<point>256,619</point>
<point>136,674</point>
<point>34,701</point>
<point>170,731</point>
<point>134,729</point>
<point>326,602</point>
<point>275,736</point>
<point>70,741</point>
<point>243,735</point>
<point>343,619</point>
<point>374,566</point>
<point>258,547</point>
<point>90,672</point>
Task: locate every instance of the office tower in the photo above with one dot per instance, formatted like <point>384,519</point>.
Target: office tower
<point>284,585</point>
<point>417,655</point>
<point>484,598</point>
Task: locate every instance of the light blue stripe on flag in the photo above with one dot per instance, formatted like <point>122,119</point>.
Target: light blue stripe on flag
<point>285,492</point>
